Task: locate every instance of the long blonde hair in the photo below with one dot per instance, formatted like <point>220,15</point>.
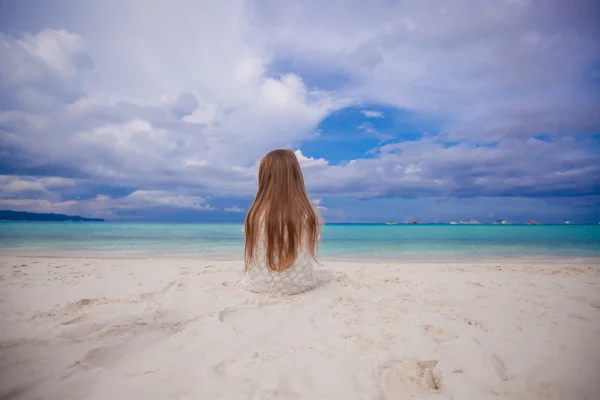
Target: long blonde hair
<point>282,210</point>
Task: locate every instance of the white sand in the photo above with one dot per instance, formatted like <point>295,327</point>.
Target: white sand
<point>180,329</point>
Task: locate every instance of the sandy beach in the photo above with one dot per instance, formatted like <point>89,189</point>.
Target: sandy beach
<point>91,328</point>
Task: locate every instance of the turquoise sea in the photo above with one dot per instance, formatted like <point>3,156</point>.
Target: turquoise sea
<point>344,241</point>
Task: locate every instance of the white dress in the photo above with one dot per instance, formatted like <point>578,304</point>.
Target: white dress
<point>259,278</point>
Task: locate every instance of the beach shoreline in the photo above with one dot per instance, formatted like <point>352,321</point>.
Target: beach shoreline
<point>179,327</point>
<point>237,256</point>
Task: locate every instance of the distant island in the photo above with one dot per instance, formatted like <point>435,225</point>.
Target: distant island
<point>7,215</point>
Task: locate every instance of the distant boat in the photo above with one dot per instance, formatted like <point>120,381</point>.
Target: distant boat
<point>470,222</point>
<point>414,222</point>
<point>567,222</point>
<point>501,222</point>
<point>533,222</point>
<point>453,223</point>
<point>391,223</point>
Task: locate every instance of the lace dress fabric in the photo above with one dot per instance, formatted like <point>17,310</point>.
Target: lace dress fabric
<point>298,278</point>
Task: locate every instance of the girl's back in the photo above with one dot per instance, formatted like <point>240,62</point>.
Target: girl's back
<point>282,229</point>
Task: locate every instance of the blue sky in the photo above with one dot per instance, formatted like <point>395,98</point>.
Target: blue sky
<point>396,109</point>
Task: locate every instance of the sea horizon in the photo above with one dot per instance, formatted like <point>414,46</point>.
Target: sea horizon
<point>177,222</point>
<point>225,240</point>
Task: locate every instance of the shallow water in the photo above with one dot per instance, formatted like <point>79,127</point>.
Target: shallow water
<point>339,240</point>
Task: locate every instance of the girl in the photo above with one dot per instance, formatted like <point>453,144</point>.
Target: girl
<point>282,229</point>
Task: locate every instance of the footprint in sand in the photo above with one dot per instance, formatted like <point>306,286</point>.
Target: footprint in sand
<point>241,362</point>
<point>74,320</point>
<point>116,355</point>
<point>162,291</point>
<point>499,368</point>
<point>18,273</point>
<point>407,378</point>
<point>65,310</point>
<point>74,306</point>
<point>104,357</point>
<point>542,389</point>
<point>244,318</point>
<point>438,335</point>
<point>15,393</point>
<point>579,317</point>
<point>476,323</point>
<point>338,277</point>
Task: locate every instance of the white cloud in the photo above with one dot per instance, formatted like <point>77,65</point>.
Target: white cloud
<point>40,72</point>
<point>372,114</point>
<point>54,181</point>
<point>195,163</point>
<point>23,186</point>
<point>38,205</point>
<point>234,209</point>
<point>368,128</point>
<point>186,118</point>
<point>431,168</point>
<point>152,198</point>
<point>307,162</point>
<point>107,206</point>
<point>461,61</point>
<point>116,137</point>
<point>11,184</point>
<point>318,205</point>
<point>30,57</point>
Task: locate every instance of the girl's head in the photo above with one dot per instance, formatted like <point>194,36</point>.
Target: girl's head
<point>281,211</point>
